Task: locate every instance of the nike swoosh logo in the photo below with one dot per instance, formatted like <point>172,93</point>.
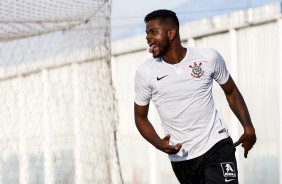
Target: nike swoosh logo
<point>227,180</point>
<point>161,77</point>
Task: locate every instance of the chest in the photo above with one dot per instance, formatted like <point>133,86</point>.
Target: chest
<point>186,78</point>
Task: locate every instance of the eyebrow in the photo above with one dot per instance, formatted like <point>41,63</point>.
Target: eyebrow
<point>151,29</point>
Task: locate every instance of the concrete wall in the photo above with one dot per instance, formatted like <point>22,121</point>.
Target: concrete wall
<point>251,43</point>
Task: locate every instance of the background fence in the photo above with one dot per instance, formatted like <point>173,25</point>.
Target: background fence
<point>58,110</point>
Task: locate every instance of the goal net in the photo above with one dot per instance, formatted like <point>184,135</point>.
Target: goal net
<point>57,115</point>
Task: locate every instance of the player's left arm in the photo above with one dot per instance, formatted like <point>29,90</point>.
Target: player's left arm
<point>239,108</point>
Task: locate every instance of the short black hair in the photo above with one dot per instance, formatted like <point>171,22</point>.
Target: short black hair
<point>162,15</point>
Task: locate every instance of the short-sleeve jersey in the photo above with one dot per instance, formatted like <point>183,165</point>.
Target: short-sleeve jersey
<point>182,94</point>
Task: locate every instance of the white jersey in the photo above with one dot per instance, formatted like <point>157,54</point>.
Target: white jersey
<point>182,94</point>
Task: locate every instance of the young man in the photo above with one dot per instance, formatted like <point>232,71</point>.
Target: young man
<point>179,82</point>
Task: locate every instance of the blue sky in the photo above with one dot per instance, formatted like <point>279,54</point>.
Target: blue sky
<point>128,15</point>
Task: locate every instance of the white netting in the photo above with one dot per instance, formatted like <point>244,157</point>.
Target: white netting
<point>32,17</point>
<point>57,115</point>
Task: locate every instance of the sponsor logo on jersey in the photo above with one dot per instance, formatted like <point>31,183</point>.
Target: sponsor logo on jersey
<point>159,78</point>
<point>228,169</point>
<point>222,130</point>
<point>197,71</point>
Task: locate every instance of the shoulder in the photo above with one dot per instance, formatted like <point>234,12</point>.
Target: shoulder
<point>208,53</point>
<point>211,55</point>
<point>146,66</point>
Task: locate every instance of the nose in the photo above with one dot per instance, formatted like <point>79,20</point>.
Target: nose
<point>148,38</point>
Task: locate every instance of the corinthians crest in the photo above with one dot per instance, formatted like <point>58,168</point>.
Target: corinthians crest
<point>197,70</point>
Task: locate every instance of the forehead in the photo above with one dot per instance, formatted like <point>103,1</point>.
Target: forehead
<point>153,24</point>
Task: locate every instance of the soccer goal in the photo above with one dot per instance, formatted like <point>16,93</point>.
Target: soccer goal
<point>58,112</point>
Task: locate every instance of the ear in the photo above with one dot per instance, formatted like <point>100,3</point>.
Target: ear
<point>171,34</point>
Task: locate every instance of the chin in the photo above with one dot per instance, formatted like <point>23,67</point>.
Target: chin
<point>157,55</point>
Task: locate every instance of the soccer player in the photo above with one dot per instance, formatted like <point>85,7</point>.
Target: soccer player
<point>179,81</point>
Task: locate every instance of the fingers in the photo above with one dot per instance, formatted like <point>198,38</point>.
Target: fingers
<point>167,137</point>
<point>170,149</point>
<point>173,149</point>
<point>246,143</point>
<point>247,148</point>
<point>178,146</point>
<point>237,143</point>
<point>240,141</point>
<point>246,153</point>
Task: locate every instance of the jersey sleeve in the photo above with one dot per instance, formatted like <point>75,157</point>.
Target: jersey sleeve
<point>142,89</point>
<point>220,72</point>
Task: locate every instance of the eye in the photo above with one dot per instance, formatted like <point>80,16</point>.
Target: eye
<point>154,31</point>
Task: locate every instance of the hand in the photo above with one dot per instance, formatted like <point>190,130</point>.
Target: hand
<point>166,147</point>
<point>248,139</point>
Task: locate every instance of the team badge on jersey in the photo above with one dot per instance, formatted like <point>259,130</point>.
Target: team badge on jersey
<point>228,169</point>
<point>197,70</point>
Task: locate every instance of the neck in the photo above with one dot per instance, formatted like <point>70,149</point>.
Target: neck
<point>175,55</point>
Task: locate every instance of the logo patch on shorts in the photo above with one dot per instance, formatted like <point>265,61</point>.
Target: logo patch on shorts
<point>228,169</point>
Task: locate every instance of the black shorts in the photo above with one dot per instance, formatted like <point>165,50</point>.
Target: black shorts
<point>217,166</point>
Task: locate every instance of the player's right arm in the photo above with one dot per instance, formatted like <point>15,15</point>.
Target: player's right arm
<point>147,130</point>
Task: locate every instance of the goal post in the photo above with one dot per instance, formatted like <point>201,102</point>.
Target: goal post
<point>58,108</point>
